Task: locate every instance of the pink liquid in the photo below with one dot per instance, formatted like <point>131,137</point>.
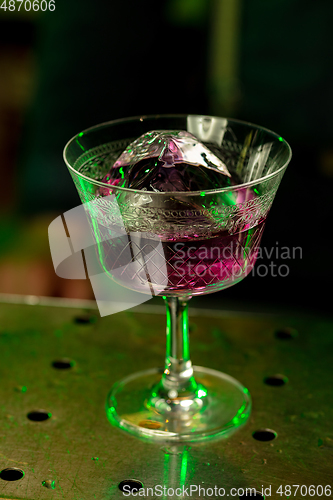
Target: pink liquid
<point>190,266</point>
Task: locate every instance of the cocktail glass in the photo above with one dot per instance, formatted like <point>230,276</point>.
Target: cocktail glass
<point>177,245</point>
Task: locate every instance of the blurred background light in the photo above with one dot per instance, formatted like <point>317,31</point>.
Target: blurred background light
<point>264,62</point>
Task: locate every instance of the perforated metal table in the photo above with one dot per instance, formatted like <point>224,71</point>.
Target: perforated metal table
<point>67,448</point>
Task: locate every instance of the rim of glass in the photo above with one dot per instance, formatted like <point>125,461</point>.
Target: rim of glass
<point>183,193</point>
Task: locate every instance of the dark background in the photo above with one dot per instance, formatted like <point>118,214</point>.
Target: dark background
<point>87,62</point>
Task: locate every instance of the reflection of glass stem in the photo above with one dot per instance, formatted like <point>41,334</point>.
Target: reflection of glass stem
<point>175,469</point>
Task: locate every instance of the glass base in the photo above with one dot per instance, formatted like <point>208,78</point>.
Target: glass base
<point>227,406</point>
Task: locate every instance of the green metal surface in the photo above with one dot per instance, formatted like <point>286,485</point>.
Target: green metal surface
<point>76,454</point>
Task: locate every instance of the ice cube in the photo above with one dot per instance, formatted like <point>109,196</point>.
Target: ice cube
<point>168,160</point>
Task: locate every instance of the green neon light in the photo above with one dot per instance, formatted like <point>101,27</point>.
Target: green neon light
<point>168,330</point>
<point>78,142</point>
<point>166,469</point>
<point>202,393</point>
<point>186,339</point>
<point>183,468</point>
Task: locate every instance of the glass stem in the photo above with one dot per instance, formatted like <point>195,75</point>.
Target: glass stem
<point>178,372</point>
